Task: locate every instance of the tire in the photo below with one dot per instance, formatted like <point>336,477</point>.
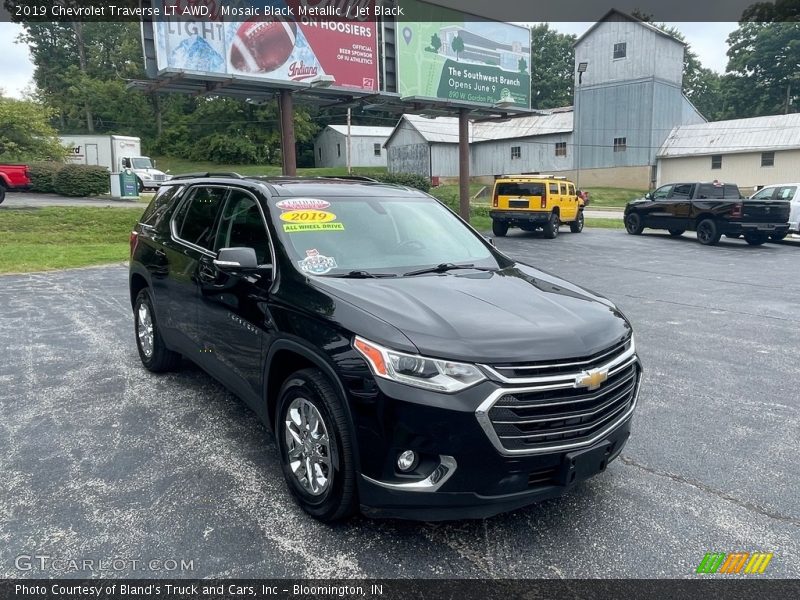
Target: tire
<point>307,397</point>
<point>677,232</point>
<point>551,227</point>
<point>633,224</point>
<point>577,225</point>
<point>155,355</point>
<point>2,193</point>
<point>499,228</point>
<point>708,233</point>
<point>755,238</point>
<point>139,185</point>
<point>774,237</point>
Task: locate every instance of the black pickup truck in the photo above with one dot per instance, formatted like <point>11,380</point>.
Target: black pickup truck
<point>711,209</point>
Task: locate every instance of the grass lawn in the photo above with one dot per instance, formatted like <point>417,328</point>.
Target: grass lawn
<point>485,224</point>
<point>612,197</point>
<point>57,237</point>
<point>176,166</point>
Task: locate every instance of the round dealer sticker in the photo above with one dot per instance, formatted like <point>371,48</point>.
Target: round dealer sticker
<point>303,204</point>
<point>316,264</point>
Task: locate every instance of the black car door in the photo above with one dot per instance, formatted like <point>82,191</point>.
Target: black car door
<point>679,207</point>
<point>233,308</point>
<point>653,212</point>
<point>192,238</point>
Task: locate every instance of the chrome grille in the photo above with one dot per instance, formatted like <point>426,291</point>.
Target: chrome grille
<point>159,177</point>
<point>554,413</point>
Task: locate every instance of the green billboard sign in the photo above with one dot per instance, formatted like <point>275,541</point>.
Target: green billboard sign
<point>447,55</point>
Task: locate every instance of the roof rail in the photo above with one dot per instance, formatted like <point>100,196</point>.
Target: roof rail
<point>207,174</point>
<point>351,178</point>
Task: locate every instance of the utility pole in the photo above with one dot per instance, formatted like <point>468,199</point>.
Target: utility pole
<point>287,133</point>
<point>463,164</point>
<point>349,164</point>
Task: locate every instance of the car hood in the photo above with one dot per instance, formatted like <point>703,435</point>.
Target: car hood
<point>518,314</point>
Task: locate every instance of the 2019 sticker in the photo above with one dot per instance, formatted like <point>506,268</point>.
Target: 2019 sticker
<point>308,216</point>
<point>298,227</point>
<point>303,204</point>
<point>316,264</point>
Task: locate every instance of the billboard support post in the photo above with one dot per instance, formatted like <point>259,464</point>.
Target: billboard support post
<point>463,163</point>
<point>287,133</point>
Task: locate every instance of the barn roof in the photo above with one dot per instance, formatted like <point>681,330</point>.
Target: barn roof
<point>363,130</point>
<point>618,15</point>
<point>444,130</point>
<point>779,132</point>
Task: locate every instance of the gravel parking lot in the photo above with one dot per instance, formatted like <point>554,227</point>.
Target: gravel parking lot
<point>100,459</point>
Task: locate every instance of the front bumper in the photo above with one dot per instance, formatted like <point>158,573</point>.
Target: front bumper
<point>463,474</point>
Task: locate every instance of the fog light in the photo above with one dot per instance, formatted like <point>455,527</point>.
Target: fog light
<point>407,460</point>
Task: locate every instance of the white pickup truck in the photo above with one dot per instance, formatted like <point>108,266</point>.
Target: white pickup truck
<point>783,191</point>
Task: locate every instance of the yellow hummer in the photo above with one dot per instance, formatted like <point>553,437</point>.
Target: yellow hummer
<point>533,202</point>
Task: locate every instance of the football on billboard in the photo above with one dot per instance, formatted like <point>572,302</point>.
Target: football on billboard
<point>262,46</point>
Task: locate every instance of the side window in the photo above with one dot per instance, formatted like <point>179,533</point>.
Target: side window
<point>662,192</point>
<point>241,226</point>
<point>681,190</point>
<point>553,188</point>
<point>786,192</point>
<point>764,194</point>
<point>160,204</point>
<point>571,189</point>
<point>194,223</point>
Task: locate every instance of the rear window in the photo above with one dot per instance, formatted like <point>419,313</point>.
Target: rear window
<point>709,190</point>
<point>520,189</point>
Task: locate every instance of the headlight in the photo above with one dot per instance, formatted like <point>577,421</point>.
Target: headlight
<point>419,371</point>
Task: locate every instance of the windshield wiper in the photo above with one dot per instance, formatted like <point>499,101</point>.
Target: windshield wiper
<point>362,275</point>
<point>444,267</point>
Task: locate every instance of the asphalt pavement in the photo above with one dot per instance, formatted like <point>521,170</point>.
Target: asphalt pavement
<point>101,459</point>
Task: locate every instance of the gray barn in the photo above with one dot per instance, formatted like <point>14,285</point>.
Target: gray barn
<point>366,146</point>
<point>628,97</point>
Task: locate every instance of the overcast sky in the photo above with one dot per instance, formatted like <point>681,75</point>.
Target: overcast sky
<point>706,39</point>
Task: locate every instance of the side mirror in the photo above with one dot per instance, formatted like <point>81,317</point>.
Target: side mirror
<point>648,196</point>
<point>232,260</point>
<point>153,162</point>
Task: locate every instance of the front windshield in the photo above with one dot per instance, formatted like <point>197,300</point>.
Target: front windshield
<point>387,235</point>
<point>141,163</point>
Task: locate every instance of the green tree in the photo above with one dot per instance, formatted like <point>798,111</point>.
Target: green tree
<point>436,42</point>
<point>26,133</point>
<point>552,67</point>
<point>457,45</point>
<point>522,65</point>
<point>764,64</point>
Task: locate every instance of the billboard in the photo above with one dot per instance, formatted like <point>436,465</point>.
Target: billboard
<point>447,55</point>
<point>271,40</point>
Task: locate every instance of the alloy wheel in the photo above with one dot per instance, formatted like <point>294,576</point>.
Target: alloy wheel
<point>144,329</point>
<point>308,446</point>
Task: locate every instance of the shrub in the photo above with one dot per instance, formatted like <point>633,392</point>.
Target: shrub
<point>231,150</point>
<point>81,180</point>
<point>42,175</point>
<point>409,179</point>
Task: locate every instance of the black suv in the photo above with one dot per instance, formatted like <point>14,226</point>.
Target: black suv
<point>405,365</point>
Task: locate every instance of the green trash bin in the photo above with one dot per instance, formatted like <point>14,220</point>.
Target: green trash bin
<point>128,184</point>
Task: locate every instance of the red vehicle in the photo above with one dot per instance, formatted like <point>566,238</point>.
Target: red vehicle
<point>13,177</point>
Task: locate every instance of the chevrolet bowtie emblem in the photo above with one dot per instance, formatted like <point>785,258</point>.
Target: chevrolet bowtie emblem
<point>591,379</point>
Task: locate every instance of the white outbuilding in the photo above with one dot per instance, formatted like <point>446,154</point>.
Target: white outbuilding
<point>366,146</point>
<point>749,152</point>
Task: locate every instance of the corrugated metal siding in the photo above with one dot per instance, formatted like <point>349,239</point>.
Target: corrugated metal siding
<point>536,154</point>
<point>647,53</point>
<point>744,169</point>
<point>738,135</point>
<point>408,152</point>
<point>608,112</point>
<point>362,150</point>
<point>363,130</point>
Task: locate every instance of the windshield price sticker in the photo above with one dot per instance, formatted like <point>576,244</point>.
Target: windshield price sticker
<point>303,204</point>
